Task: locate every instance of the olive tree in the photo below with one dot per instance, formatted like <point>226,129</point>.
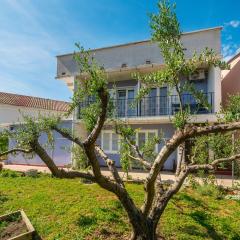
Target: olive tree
<point>99,109</point>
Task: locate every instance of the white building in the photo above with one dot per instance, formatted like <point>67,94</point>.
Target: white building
<point>12,109</point>
<point>152,116</point>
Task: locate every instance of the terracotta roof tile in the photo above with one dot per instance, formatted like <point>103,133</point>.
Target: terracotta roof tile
<point>33,102</point>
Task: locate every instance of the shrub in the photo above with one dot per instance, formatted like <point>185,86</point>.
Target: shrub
<point>32,173</point>
<point>9,173</point>
<point>79,158</point>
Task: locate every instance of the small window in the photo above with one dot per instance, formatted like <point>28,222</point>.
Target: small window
<point>141,139</point>
<point>109,141</point>
<point>148,61</point>
<point>144,135</point>
<point>114,142</point>
<point>106,141</point>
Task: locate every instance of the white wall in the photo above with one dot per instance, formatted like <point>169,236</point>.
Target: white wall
<point>214,85</point>
<point>137,53</point>
<point>10,114</point>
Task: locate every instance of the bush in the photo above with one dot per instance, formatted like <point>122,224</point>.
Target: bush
<point>79,158</point>
<point>32,173</point>
<point>9,173</point>
<point>207,186</point>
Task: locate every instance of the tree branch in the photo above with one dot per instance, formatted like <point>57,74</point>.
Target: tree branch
<point>213,164</point>
<point>92,137</point>
<point>15,150</point>
<point>178,138</point>
<point>68,136</point>
<point>111,165</point>
<point>146,164</point>
<point>162,201</point>
<point>60,173</point>
<point>139,157</point>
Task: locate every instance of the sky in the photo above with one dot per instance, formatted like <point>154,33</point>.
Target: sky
<point>34,32</point>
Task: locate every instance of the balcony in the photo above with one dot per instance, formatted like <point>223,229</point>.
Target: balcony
<point>155,106</point>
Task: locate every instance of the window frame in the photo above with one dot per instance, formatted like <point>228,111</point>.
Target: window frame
<point>147,131</point>
<point>111,132</point>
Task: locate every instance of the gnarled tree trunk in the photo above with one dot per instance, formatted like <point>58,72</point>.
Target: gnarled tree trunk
<point>145,230</point>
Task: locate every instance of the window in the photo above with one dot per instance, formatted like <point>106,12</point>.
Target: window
<point>109,141</point>
<point>106,141</point>
<point>125,99</point>
<point>144,135</point>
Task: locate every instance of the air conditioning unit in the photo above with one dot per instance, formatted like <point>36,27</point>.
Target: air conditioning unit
<point>198,75</point>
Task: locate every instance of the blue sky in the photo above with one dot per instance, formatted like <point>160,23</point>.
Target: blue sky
<point>33,32</point>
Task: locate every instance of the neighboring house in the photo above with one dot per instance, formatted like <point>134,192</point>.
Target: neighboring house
<point>153,113</point>
<point>231,86</point>
<point>14,106</point>
<point>231,79</point>
<point>12,109</point>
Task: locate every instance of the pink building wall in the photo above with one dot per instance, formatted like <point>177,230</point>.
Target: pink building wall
<point>231,79</point>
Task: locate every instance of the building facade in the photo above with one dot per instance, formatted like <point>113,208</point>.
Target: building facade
<point>153,114</point>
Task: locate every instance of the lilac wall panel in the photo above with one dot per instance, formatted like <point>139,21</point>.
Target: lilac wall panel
<point>168,131</point>
<point>60,154</point>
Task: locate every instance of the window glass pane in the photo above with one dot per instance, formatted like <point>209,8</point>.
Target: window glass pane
<point>151,135</point>
<point>163,101</point>
<point>141,139</point>
<point>122,94</point>
<point>152,102</point>
<point>153,92</point>
<point>106,141</point>
<point>114,142</point>
<point>121,103</point>
<point>130,94</point>
<point>131,110</point>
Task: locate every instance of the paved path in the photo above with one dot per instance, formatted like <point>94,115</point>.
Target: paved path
<point>136,175</point>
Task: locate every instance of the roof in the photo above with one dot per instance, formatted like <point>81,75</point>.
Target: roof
<point>144,41</point>
<point>33,102</point>
<point>233,58</point>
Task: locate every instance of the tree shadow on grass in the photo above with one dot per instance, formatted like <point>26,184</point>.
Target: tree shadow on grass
<point>194,231</point>
<point>109,215</point>
<point>86,221</point>
<point>191,200</point>
<point>203,219</point>
<point>3,198</point>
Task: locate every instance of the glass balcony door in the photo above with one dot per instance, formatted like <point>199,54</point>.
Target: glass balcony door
<point>125,100</point>
<point>163,101</point>
<point>152,102</point>
<point>149,104</point>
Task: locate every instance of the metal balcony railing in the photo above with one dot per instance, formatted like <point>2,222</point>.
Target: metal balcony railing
<point>156,106</point>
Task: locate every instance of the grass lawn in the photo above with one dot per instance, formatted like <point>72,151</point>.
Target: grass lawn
<point>70,210</point>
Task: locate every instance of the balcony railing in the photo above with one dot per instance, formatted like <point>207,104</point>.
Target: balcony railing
<point>156,106</point>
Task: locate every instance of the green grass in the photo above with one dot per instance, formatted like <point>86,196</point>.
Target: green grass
<point>68,209</point>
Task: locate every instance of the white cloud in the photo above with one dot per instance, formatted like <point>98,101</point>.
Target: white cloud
<point>229,51</point>
<point>27,53</point>
<point>233,23</point>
